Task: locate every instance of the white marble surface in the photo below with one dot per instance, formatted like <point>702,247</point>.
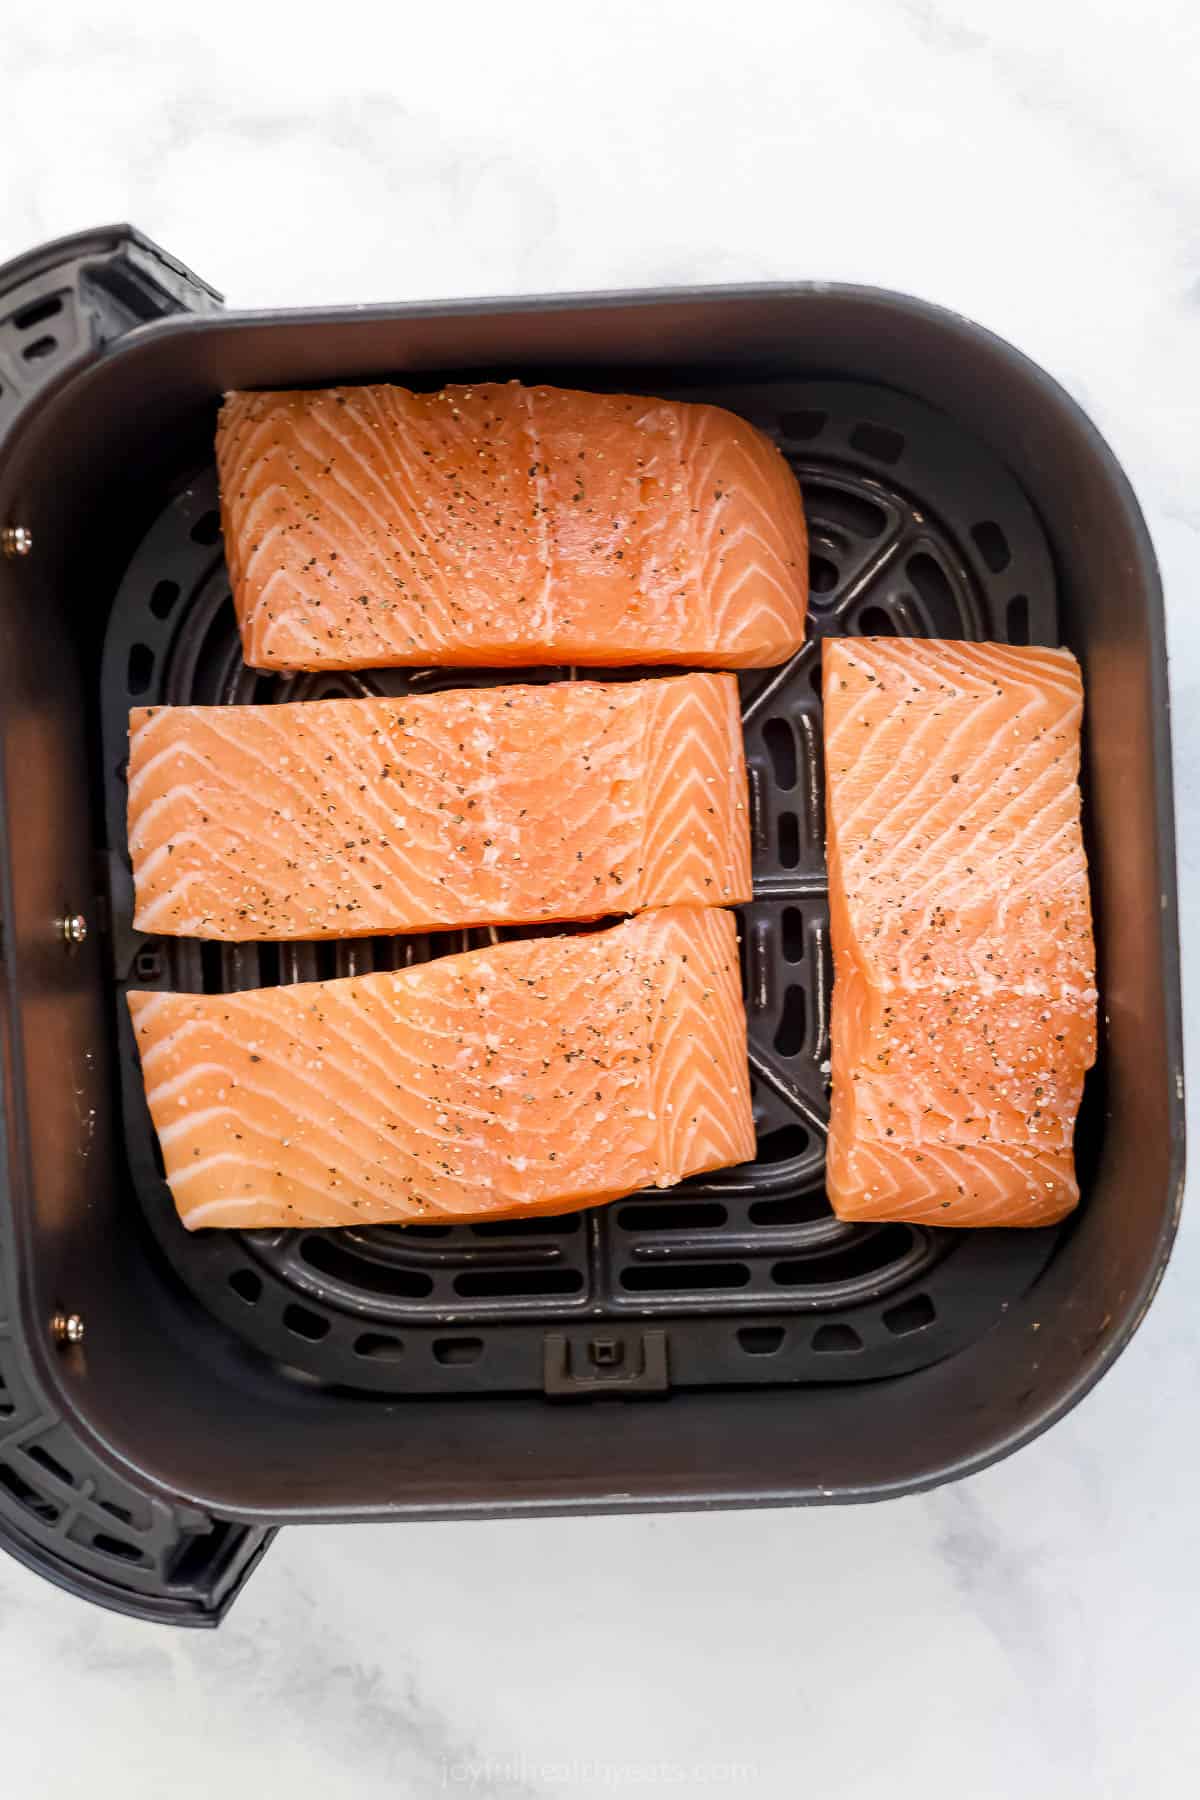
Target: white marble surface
<point>1036,165</point>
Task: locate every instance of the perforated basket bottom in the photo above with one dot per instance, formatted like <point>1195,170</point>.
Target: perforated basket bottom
<point>745,1277</point>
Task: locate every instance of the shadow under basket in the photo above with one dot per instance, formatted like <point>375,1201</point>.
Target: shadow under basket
<point>217,1385</point>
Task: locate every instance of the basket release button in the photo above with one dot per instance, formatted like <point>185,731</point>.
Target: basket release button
<point>579,1368</point>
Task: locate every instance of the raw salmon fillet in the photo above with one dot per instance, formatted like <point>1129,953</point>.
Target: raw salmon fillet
<point>510,805</point>
<point>964,1001</point>
<point>506,525</point>
<point>532,1077</point>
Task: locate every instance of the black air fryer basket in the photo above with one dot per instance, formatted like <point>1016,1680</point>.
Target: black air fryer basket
<point>166,1400</point>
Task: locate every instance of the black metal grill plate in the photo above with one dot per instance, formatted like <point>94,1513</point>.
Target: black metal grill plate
<point>749,1277</point>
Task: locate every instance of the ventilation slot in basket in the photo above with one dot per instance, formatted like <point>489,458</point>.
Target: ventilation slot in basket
<point>37,312</point>
<point>761,1340</point>
<point>836,1340</point>
<point>877,441</point>
<point>20,1490</point>
<point>911,1315</point>
<point>344,1263</point>
<point>993,546</point>
<point>378,1346</point>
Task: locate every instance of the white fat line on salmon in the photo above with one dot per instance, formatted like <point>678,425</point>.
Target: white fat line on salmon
<point>542,624</point>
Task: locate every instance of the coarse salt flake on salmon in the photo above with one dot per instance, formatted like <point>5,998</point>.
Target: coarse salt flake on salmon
<point>502,525</point>
<point>507,805</point>
<point>537,1076</point>
<point>964,1001</point>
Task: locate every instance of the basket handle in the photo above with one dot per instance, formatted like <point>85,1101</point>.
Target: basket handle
<point>68,1509</point>
<point>60,305</point>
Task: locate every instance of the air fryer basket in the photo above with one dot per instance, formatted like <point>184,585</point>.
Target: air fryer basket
<point>228,1382</point>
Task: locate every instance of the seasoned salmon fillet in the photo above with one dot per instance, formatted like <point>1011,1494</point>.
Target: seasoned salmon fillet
<point>964,1002</point>
<point>501,525</point>
<point>532,1077</point>
<point>510,805</point>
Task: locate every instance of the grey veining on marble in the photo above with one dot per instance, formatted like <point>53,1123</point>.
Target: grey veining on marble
<point>1036,166</point>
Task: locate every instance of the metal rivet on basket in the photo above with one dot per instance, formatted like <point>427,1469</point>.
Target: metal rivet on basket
<point>74,928</point>
<point>67,1328</point>
<point>16,540</point>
